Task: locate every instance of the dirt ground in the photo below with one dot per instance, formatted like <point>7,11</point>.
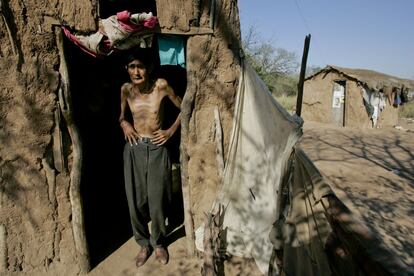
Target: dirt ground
<point>371,170</point>
<point>122,263</point>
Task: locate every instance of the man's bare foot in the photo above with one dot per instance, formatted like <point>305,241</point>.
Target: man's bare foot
<point>161,255</point>
<point>143,256</point>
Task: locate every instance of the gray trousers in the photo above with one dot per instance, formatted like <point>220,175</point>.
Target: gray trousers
<point>147,172</point>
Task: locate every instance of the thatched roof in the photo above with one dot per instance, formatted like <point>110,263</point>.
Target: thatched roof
<point>372,79</point>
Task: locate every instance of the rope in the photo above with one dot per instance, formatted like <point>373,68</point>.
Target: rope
<point>302,16</point>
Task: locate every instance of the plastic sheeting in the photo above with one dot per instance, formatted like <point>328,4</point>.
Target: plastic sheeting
<point>261,141</point>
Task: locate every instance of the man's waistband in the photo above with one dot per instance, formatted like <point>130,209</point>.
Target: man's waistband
<point>146,140</point>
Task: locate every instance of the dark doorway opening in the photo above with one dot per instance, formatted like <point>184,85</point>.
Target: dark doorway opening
<point>95,86</point>
<point>95,89</point>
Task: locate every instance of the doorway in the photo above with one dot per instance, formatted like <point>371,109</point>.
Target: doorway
<point>338,103</point>
<point>95,89</point>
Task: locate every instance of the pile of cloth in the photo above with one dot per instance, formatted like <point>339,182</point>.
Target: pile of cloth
<point>117,32</point>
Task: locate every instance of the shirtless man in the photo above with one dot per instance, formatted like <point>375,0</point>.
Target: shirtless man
<point>147,166</point>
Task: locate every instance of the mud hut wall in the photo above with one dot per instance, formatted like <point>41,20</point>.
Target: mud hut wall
<point>317,102</point>
<point>355,113</point>
<point>176,15</point>
<point>389,116</point>
<point>35,212</point>
<point>317,98</point>
<point>213,63</point>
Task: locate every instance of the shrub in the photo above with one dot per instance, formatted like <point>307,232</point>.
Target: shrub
<point>288,102</point>
<point>407,110</point>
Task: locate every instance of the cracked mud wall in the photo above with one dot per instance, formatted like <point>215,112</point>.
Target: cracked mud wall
<point>35,212</point>
<point>36,235</point>
<point>214,68</point>
<point>317,103</point>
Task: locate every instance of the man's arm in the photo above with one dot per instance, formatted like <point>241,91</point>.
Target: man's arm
<point>129,132</point>
<point>162,136</point>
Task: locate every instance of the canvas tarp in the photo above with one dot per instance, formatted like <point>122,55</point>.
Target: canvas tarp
<point>302,228</point>
<point>261,142</point>
<point>275,198</point>
<point>302,231</point>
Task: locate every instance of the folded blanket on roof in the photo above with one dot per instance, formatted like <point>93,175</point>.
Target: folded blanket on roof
<point>117,32</point>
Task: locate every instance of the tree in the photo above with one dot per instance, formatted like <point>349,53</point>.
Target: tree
<point>276,66</point>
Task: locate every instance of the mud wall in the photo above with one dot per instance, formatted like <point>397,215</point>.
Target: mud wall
<point>213,72</point>
<point>355,113</point>
<point>36,154</point>
<point>35,216</point>
<point>317,98</point>
<point>317,103</point>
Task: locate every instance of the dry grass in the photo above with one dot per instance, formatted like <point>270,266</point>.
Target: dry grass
<point>407,110</point>
<point>288,102</point>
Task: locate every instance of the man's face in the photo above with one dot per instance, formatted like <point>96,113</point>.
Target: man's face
<point>137,72</point>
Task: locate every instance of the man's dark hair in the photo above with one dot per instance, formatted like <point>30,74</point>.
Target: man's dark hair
<point>142,55</point>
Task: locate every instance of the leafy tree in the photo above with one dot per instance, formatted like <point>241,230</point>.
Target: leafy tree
<point>276,66</point>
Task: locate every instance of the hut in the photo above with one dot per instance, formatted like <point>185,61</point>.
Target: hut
<point>62,203</point>
<point>353,97</point>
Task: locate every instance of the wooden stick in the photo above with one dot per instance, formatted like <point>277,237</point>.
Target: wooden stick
<point>212,257</point>
<point>212,13</point>
<point>65,102</point>
<point>58,158</point>
<point>3,248</point>
<point>302,75</point>
<point>219,144</point>
<point>186,111</point>
<point>9,32</point>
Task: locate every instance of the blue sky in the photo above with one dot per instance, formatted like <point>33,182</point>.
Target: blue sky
<point>368,34</point>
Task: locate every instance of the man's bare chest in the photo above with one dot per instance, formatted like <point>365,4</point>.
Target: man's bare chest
<point>145,102</point>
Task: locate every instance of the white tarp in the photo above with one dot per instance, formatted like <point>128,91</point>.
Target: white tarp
<point>262,139</point>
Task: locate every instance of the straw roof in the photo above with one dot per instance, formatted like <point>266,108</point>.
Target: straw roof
<point>372,79</point>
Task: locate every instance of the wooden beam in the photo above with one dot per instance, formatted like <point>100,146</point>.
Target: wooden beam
<point>192,31</point>
<point>65,104</point>
<point>219,145</point>
<point>302,75</point>
<point>186,111</point>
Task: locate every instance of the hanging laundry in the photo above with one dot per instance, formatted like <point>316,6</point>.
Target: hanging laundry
<point>171,50</point>
<point>366,97</point>
<point>382,104</point>
<point>397,100</point>
<point>404,95</point>
<point>117,32</point>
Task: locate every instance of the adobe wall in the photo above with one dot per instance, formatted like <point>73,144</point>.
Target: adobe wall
<point>355,114</point>
<point>35,218</point>
<point>36,233</point>
<point>317,98</point>
<point>214,68</point>
<point>317,103</point>
<point>389,116</point>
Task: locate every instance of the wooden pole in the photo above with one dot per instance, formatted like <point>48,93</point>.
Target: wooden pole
<point>65,104</point>
<point>186,111</point>
<point>302,75</point>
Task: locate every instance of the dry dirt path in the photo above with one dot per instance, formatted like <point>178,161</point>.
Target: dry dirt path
<point>372,171</point>
<point>122,263</point>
